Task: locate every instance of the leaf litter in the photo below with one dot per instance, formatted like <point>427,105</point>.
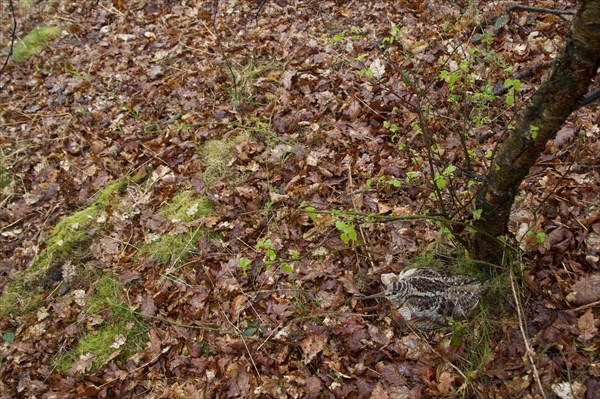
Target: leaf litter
<point>138,92</point>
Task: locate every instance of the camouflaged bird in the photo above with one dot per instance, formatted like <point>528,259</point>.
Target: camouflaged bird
<point>426,298</point>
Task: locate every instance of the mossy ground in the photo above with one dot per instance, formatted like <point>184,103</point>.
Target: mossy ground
<point>218,156</point>
<point>121,335</point>
<point>69,241</point>
<point>242,92</point>
<point>34,42</point>
<point>175,247</point>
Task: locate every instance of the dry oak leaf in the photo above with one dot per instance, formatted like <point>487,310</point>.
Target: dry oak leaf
<point>587,326</point>
<point>586,290</point>
<point>148,308</point>
<point>312,345</point>
<point>445,381</point>
<point>83,363</point>
<point>379,392</point>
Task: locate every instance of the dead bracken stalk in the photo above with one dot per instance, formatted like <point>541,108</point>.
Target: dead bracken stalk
<point>244,342</point>
<point>528,349</point>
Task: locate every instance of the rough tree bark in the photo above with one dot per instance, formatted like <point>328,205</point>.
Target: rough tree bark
<point>545,113</point>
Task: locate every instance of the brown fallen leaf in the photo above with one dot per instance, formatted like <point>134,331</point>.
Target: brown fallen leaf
<point>379,392</point>
<point>587,326</point>
<point>586,290</point>
<point>311,346</point>
<point>155,342</point>
<point>82,364</point>
<point>148,307</point>
<point>445,381</point>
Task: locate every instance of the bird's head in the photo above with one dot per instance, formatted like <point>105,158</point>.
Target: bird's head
<point>395,289</point>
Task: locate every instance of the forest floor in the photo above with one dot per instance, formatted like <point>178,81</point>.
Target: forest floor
<point>193,192</point>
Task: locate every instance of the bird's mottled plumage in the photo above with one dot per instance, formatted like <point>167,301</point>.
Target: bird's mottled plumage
<point>426,298</point>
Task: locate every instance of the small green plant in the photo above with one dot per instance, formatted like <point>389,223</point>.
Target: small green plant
<point>244,264</point>
<point>270,258</point>
<point>395,183</point>
<point>391,38</point>
<point>253,328</point>
<point>458,330</point>
<point>513,86</point>
<point>365,72</point>
<point>310,210</point>
<point>533,131</point>
<point>338,37</point>
<point>348,232</point>
<point>355,33</point>
<point>9,337</point>
<point>540,236</point>
<point>393,128</point>
<point>266,246</point>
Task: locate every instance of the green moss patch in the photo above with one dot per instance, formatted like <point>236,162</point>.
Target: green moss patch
<point>34,42</point>
<point>73,232</point>
<point>186,207</point>
<point>217,156</point>
<point>246,77</point>
<point>123,334</point>
<point>70,241</point>
<point>175,247</point>
<point>5,178</point>
<point>453,260</point>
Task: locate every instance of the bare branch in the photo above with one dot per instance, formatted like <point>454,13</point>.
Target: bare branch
<point>12,36</point>
<point>520,7</point>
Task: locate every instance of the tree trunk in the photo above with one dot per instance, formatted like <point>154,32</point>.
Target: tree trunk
<point>536,124</point>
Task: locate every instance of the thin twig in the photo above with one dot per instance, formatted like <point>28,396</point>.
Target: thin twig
<point>222,48</point>
<point>520,7</point>
<point>586,306</point>
<point>589,98</point>
<point>12,36</point>
<point>528,349</point>
<point>244,342</point>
